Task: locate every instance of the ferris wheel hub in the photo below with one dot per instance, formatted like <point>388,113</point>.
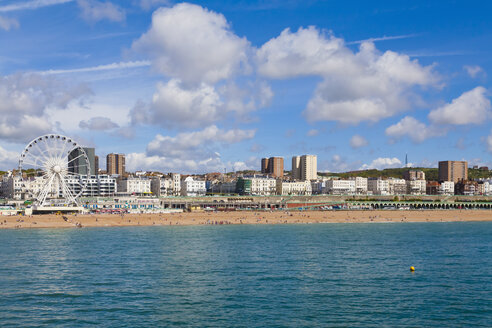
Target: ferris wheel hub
<point>57,168</point>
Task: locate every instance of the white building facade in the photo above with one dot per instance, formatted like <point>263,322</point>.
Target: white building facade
<point>340,187</point>
<point>377,186</point>
<point>192,188</point>
<point>416,187</point>
<point>446,188</point>
<point>299,188</point>
<point>135,186</point>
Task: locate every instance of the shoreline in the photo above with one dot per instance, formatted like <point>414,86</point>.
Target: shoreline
<point>241,217</point>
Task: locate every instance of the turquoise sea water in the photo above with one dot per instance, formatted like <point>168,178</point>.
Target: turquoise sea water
<point>319,275</point>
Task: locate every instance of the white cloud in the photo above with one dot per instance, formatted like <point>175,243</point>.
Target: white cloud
<point>473,71</point>
<point>312,133</point>
<point>208,67</point>
<point>142,161</point>
<point>24,129</point>
<point>7,23</point>
<point>25,99</point>
<point>8,159</point>
<point>68,118</point>
<point>305,52</point>
<point>338,163</point>
<point>382,163</point>
<point>245,98</point>
<point>472,107</point>
<point>98,123</point>
<point>358,141</point>
<point>176,106</point>
<point>94,11</point>
<point>193,44</point>
<point>363,86</point>
<point>30,5</point>
<point>191,152</point>
<point>113,66</point>
<point>172,106</point>
<point>489,142</point>
<point>414,129</point>
<point>197,144</point>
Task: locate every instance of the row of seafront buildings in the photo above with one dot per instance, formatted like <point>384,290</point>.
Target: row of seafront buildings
<point>273,180</point>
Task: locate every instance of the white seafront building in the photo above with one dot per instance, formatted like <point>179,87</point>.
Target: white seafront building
<point>263,186</point>
<point>97,185</point>
<point>397,186</point>
<point>377,186</point>
<point>134,186</point>
<point>294,188</point>
<point>340,187</point>
<point>166,186</point>
<point>416,187</point>
<point>11,186</point>
<point>192,188</point>
<point>446,188</point>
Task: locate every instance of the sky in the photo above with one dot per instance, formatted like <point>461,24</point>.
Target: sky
<point>214,86</point>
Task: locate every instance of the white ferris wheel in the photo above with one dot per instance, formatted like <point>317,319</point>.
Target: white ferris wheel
<point>57,161</point>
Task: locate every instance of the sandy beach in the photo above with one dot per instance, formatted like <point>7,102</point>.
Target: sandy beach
<point>240,217</point>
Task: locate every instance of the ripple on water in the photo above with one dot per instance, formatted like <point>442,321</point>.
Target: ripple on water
<point>334,275</point>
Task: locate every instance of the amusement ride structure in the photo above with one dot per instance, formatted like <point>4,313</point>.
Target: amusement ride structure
<point>61,163</point>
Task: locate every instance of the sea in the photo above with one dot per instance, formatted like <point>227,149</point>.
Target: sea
<point>306,275</point>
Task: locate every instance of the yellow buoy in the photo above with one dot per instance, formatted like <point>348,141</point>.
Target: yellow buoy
<point>412,269</point>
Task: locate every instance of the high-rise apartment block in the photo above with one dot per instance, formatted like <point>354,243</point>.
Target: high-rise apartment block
<point>453,171</point>
<point>273,166</point>
<point>96,165</point>
<point>305,167</point>
<point>115,164</point>
<point>77,162</point>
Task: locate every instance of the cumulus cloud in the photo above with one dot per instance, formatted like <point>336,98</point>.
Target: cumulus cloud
<point>208,66</point>
<point>382,163</point>
<point>190,152</point>
<point>94,11</point>
<point>98,123</point>
<point>362,86</point>
<point>8,159</point>
<point>246,98</point>
<point>472,107</point>
<point>24,128</point>
<point>197,144</point>
<point>176,106</point>
<point>7,23</point>
<point>142,161</point>
<point>473,71</point>
<point>193,44</point>
<point>358,141</point>
<point>24,100</point>
<point>414,129</point>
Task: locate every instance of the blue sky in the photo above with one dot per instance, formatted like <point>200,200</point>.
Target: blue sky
<point>213,85</point>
